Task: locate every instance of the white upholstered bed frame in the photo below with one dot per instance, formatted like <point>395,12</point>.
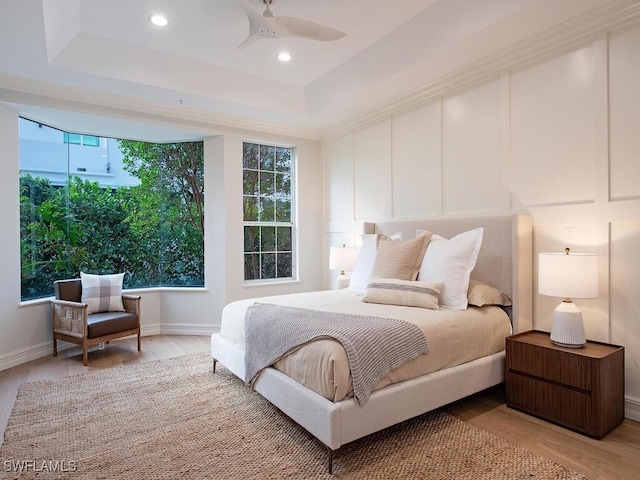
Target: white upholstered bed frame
<point>505,261</point>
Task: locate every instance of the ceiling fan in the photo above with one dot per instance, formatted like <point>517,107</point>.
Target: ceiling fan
<point>266,25</point>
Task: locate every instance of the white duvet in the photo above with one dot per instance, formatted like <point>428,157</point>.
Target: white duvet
<point>454,336</point>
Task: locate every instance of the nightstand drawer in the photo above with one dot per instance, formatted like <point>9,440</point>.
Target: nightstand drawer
<point>565,406</point>
<point>552,365</point>
<point>578,388</point>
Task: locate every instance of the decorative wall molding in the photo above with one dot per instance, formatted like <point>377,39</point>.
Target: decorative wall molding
<point>551,43</point>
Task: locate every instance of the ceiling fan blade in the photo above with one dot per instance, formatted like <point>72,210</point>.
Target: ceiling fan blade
<point>257,23</point>
<point>268,26</point>
<point>250,40</point>
<point>296,27</point>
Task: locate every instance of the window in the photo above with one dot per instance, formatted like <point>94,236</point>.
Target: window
<point>146,222</point>
<point>90,141</point>
<point>72,138</point>
<point>76,139</point>
<point>268,216</point>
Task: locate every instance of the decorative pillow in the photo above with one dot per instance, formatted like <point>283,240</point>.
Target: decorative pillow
<point>400,260</point>
<point>365,260</point>
<point>480,294</point>
<point>102,293</point>
<point>391,291</point>
<point>451,262</point>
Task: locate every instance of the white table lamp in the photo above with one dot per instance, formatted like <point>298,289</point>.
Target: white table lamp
<point>568,275</point>
<point>343,259</point>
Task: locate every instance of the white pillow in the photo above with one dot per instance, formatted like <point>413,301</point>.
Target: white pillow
<point>365,260</point>
<point>451,262</point>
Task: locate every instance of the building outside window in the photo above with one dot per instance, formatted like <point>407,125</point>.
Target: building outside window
<point>268,212</point>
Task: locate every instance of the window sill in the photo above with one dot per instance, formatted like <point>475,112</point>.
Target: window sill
<point>36,301</point>
<point>133,291</point>
<point>264,283</point>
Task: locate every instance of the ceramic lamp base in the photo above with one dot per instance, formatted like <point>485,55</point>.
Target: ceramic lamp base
<point>342,282</point>
<point>567,329</point>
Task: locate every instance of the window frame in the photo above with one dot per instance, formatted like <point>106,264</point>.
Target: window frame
<point>292,223</point>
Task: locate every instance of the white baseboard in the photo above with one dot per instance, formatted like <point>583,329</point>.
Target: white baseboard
<point>148,330</point>
<point>34,352</point>
<point>632,408</point>
<point>25,355</point>
<point>188,329</point>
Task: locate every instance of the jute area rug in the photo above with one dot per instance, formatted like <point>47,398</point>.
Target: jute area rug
<point>175,419</point>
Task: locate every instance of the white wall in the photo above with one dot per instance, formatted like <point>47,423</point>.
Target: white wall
<point>558,138</point>
<point>185,311</point>
<point>25,330</point>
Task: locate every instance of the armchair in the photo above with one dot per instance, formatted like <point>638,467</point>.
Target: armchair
<point>72,322</point>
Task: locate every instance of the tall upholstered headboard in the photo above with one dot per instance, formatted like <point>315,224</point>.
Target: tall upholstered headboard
<point>505,259</point>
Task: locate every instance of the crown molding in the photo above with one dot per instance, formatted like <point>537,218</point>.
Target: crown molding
<point>551,43</point>
<point>21,90</point>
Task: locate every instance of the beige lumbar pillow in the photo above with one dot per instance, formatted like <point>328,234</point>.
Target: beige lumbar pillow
<point>390,291</point>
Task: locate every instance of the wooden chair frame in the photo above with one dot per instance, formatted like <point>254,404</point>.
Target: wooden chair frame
<point>70,324</point>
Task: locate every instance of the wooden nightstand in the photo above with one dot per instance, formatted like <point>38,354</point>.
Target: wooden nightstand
<point>579,388</point>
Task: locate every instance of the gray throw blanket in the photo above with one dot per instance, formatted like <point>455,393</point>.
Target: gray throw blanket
<point>374,345</point>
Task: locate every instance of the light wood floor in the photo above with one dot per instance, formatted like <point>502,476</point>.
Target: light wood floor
<point>615,457</point>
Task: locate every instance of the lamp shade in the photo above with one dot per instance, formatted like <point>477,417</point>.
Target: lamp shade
<point>342,258</point>
<point>568,275</point>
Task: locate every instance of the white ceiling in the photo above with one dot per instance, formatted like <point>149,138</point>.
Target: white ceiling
<point>63,61</point>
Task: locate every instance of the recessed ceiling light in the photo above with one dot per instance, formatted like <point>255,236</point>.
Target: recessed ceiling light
<point>158,20</point>
<point>284,56</point>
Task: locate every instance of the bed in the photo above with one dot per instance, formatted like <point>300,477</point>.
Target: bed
<point>504,261</point>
